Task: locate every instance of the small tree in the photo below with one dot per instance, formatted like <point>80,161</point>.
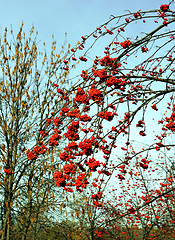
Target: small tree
<point>25,103</point>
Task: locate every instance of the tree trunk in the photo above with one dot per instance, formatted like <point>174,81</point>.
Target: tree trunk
<point>6,228</point>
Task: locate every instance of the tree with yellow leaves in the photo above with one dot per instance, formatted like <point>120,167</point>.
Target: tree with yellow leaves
<point>26,102</point>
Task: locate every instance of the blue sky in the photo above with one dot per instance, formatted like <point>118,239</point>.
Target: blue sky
<point>76,17</point>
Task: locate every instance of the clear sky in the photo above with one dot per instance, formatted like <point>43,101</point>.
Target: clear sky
<point>76,17</point>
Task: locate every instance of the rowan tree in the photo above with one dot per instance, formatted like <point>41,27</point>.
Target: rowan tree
<point>118,120</point>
